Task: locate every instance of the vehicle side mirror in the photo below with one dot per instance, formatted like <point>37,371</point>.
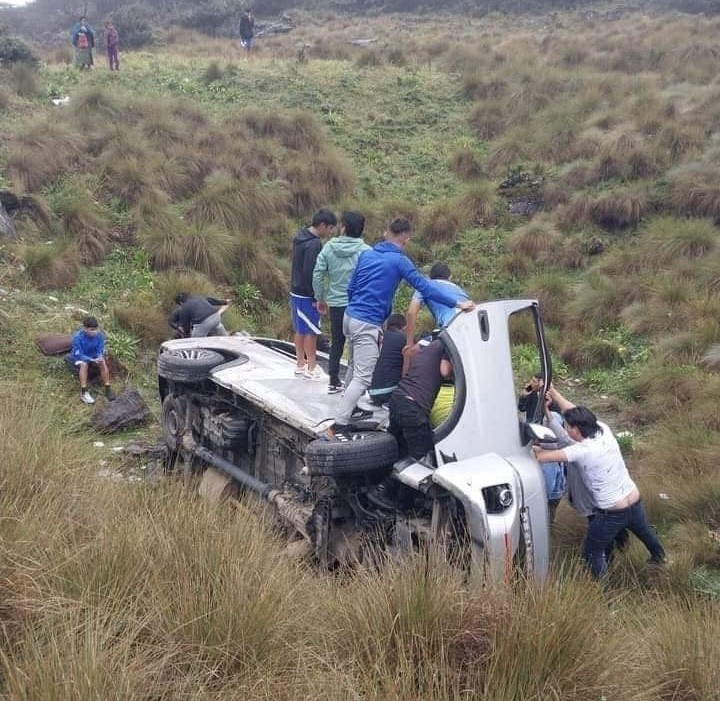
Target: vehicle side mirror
<point>537,433</point>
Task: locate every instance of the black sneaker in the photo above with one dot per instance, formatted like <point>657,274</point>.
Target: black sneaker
<point>334,388</point>
<point>359,414</point>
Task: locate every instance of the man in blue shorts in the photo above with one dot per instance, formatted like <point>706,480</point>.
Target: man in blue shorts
<point>442,313</point>
<point>370,293</point>
<point>303,306</point>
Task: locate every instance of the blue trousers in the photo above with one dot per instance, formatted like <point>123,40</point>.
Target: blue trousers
<point>606,525</point>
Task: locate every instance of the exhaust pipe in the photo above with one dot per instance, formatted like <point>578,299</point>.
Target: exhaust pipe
<point>297,515</point>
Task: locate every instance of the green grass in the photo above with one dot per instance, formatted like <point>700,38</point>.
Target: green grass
<point>149,594</point>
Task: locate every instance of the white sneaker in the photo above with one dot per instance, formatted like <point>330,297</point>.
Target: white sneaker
<point>299,372</point>
<point>317,374</point>
<point>87,397</point>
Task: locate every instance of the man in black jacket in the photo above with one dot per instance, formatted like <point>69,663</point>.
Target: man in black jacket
<point>198,316</point>
<point>305,315</point>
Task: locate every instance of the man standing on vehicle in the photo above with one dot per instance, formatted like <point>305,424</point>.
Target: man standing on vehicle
<point>442,313</point>
<point>333,269</point>
<point>370,293</point>
<point>303,306</point>
<point>595,452</point>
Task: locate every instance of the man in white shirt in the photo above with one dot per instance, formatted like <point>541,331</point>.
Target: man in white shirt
<point>596,454</point>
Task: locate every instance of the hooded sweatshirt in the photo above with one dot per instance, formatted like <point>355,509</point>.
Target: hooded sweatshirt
<point>336,263</point>
<point>306,247</point>
<point>376,279</point>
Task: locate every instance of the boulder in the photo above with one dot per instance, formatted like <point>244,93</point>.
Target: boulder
<point>7,225</point>
<point>127,410</point>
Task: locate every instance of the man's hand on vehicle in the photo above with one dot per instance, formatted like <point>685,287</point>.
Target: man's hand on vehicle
<point>466,305</point>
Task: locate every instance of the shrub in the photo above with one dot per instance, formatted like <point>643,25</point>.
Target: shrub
<point>134,23</point>
<point>553,292</point>
<point>14,50</point>
<point>442,223</point>
<point>212,73</point>
<point>170,284</point>
<point>24,79</point>
<point>538,240</point>
<point>465,164</point>
<point>96,101</point>
<point>236,205</point>
<point>127,177</point>
<point>82,219</point>
<point>209,250</point>
<point>143,318</point>
<point>478,204</point>
<point>694,190</point>
<point>52,267</point>
<point>667,239</point>
<point>298,131</point>
<point>487,120</point>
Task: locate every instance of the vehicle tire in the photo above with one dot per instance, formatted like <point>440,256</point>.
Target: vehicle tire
<point>364,451</point>
<point>172,417</point>
<point>188,364</point>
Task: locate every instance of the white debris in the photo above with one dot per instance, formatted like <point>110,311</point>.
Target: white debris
<point>118,449</point>
<point>663,496</point>
<point>53,299</point>
<point>60,101</point>
<point>98,444</point>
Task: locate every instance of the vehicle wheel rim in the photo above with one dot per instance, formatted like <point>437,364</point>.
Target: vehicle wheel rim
<point>194,353</point>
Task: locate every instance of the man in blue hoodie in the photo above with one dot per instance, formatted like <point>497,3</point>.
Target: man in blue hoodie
<point>303,306</point>
<point>370,293</point>
<point>88,349</point>
<point>333,269</point>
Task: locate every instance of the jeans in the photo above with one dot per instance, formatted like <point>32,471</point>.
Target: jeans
<point>410,424</point>
<point>337,343</point>
<point>112,54</point>
<point>605,526</point>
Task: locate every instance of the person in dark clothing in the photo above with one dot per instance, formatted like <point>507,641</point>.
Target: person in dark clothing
<point>303,305</point>
<point>112,45</point>
<point>198,316</point>
<point>530,398</point>
<point>413,398</point>
<point>88,350</point>
<point>247,30</point>
<point>388,369</point>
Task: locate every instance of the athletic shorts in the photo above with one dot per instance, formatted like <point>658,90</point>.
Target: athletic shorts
<point>305,317</point>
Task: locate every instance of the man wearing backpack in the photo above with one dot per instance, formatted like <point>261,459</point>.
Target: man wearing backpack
<point>83,39</point>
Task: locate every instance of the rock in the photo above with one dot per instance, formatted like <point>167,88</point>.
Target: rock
<point>128,410</point>
<point>7,225</point>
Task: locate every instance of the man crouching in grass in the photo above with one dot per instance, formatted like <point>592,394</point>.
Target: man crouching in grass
<point>88,349</point>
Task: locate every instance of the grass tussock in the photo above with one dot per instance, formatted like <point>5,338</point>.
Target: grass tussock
<point>466,164</point>
<point>236,205</point>
<point>538,241</point>
<point>53,266</point>
<point>694,190</point>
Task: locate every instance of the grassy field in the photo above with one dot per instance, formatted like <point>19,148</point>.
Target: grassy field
<point>190,169</point>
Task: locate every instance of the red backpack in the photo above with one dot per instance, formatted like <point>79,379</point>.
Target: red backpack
<point>82,41</point>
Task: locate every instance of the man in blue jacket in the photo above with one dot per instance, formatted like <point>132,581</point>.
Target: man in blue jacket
<point>88,349</point>
<point>370,293</point>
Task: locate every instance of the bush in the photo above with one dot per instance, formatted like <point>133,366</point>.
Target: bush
<point>134,24</point>
<point>465,164</point>
<point>25,79</point>
<point>16,50</point>
<point>53,267</point>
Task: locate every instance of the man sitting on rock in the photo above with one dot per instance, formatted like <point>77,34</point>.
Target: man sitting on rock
<point>88,350</point>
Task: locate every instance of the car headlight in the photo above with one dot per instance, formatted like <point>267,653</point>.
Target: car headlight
<point>498,498</point>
